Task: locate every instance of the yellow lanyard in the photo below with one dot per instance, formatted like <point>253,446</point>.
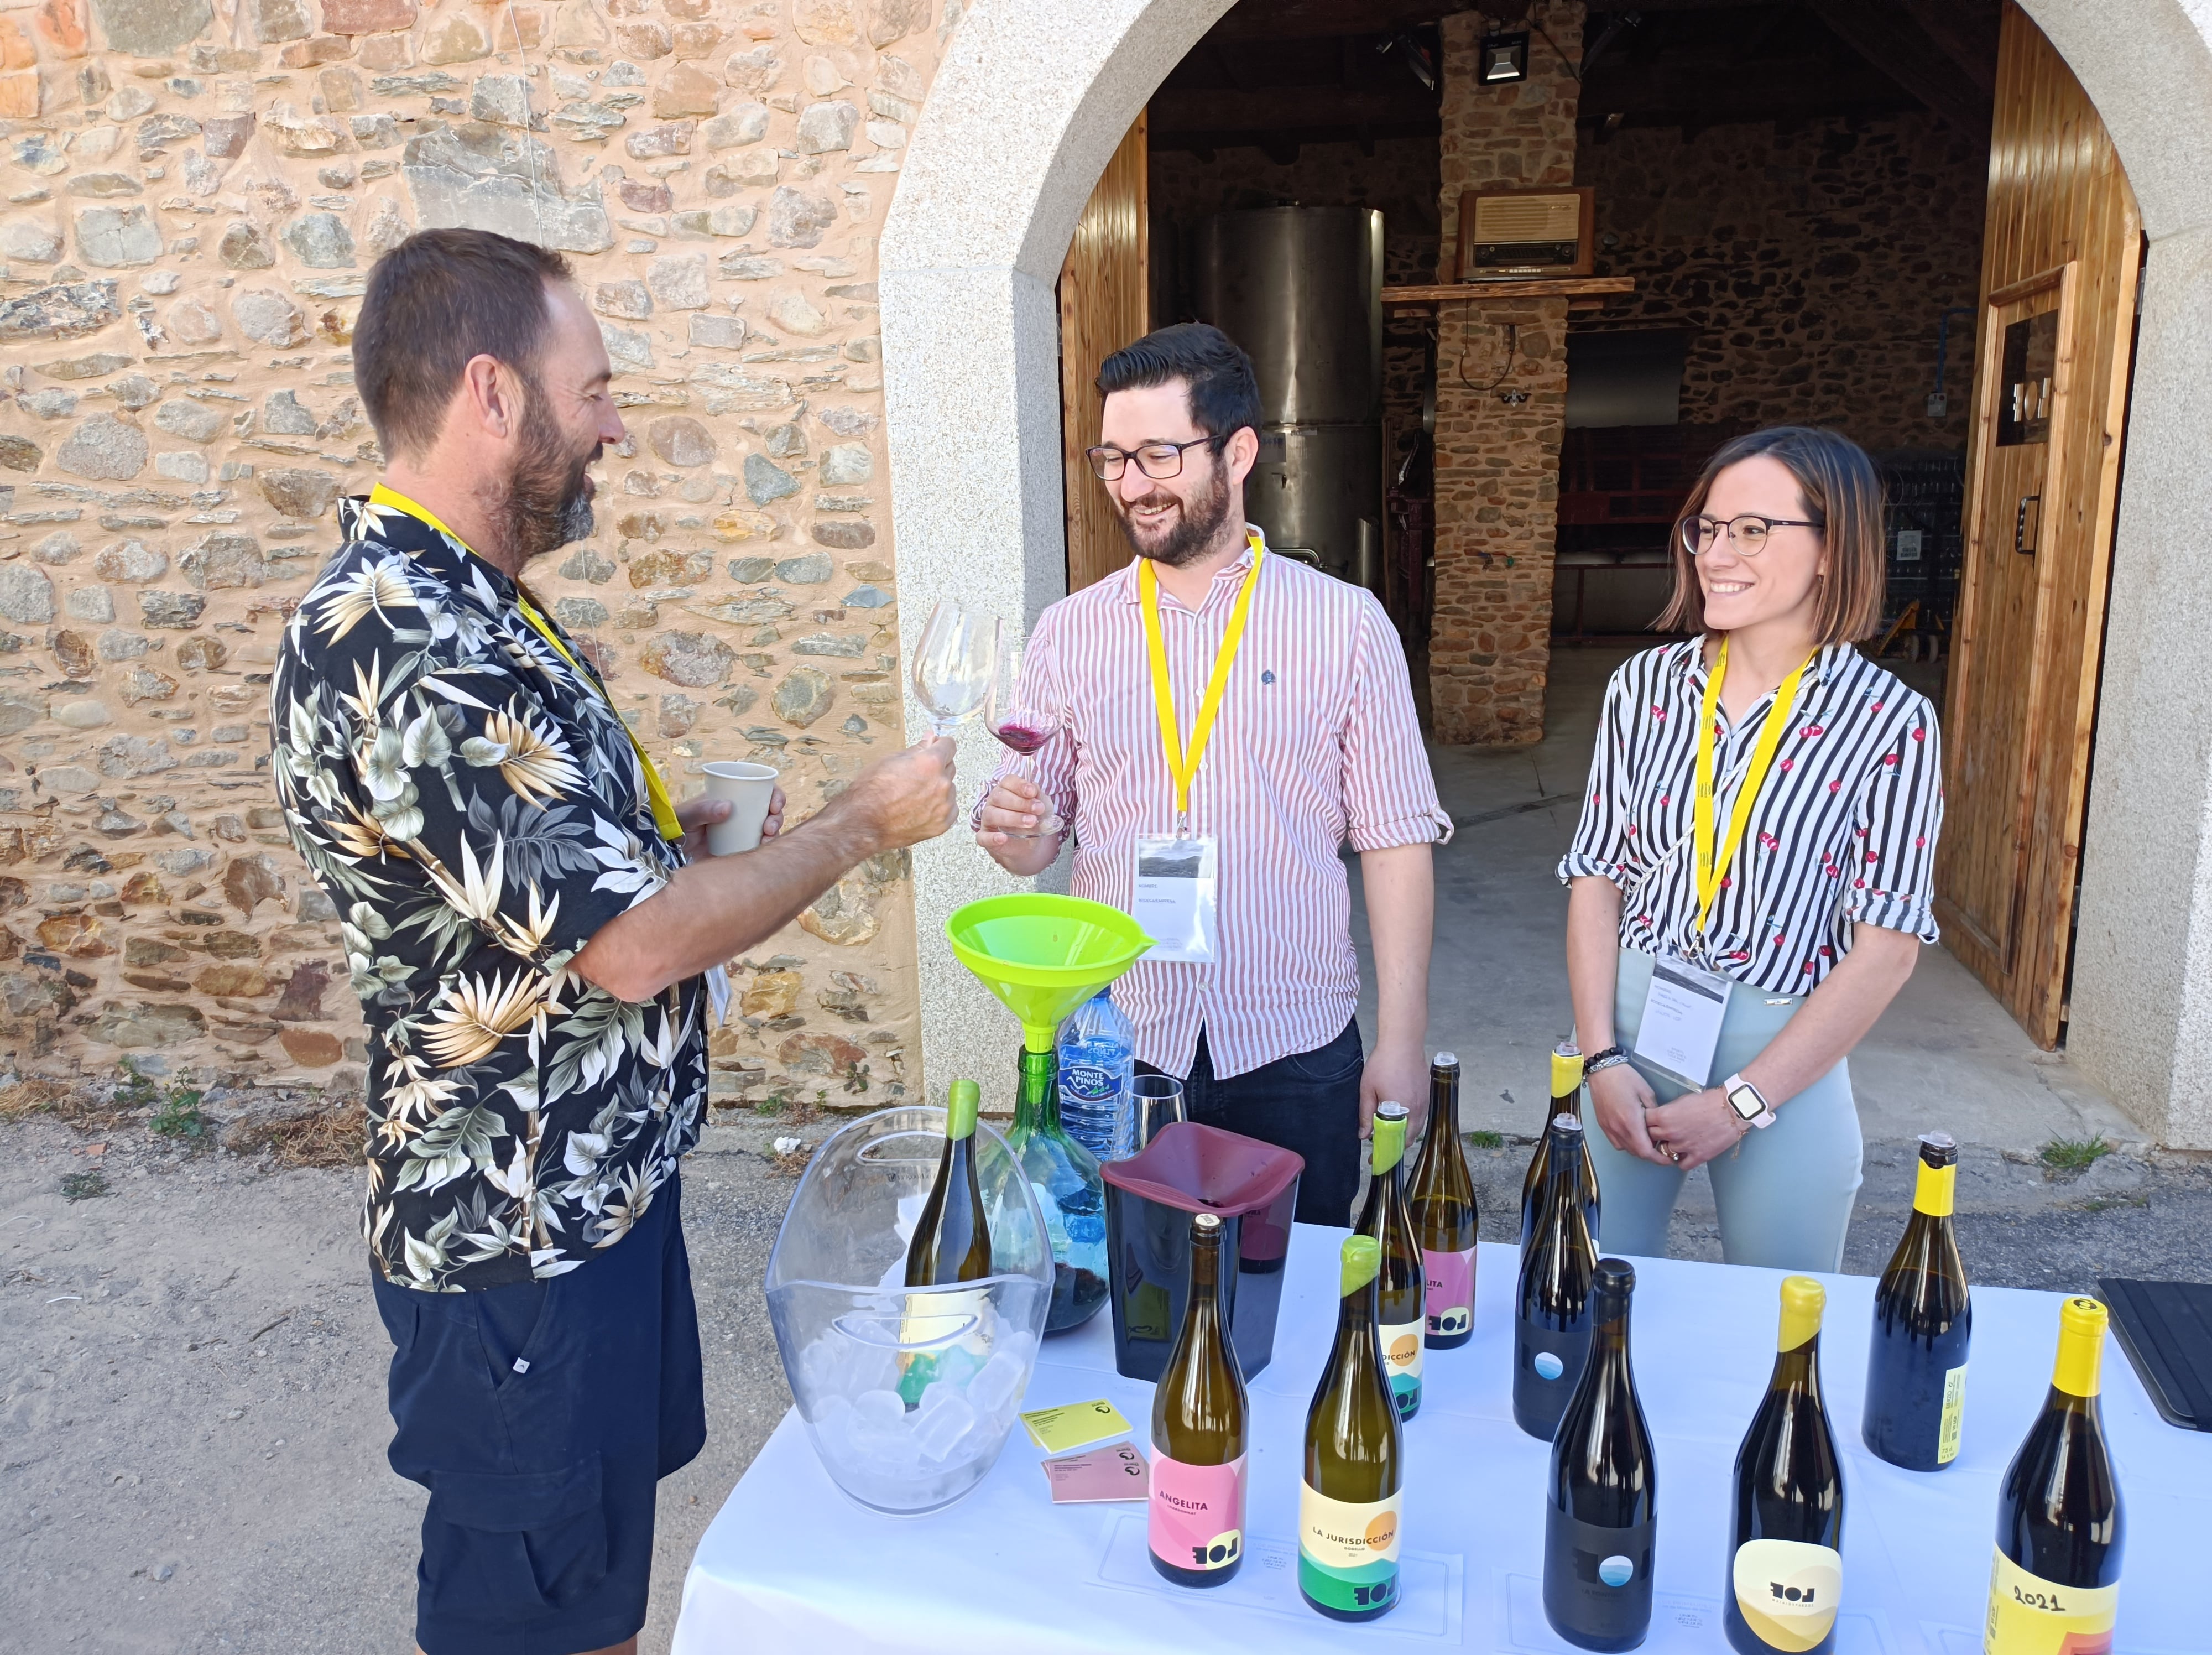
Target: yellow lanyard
<point>1711,871</point>
<point>664,812</point>
<point>1184,764</point>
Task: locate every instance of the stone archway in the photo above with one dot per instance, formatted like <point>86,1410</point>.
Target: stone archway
<point>1029,104</point>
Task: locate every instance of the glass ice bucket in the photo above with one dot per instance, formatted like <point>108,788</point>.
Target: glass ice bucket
<point>907,1394</point>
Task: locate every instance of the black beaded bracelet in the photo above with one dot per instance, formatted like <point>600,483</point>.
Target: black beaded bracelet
<point>1598,1061</point>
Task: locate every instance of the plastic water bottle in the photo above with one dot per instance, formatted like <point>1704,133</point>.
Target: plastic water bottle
<point>1097,1054</point>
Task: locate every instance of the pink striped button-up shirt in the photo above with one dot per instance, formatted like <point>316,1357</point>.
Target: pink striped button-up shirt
<point>1316,743</point>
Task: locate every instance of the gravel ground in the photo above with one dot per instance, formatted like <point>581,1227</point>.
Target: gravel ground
<point>192,1368</point>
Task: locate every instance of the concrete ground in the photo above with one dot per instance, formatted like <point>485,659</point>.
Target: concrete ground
<point>1945,1057</point>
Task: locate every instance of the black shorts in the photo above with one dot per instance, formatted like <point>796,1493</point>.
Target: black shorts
<point>540,1415</point>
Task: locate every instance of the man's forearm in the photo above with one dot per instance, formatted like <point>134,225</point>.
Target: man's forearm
<point>1400,884</point>
<point>719,907</point>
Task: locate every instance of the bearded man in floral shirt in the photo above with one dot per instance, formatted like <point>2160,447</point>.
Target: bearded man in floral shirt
<point>537,940</point>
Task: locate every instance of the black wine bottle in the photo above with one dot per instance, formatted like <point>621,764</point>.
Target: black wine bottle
<point>1401,1305</point>
<point>1199,1429</point>
<point>953,1238</point>
<point>1441,1206</point>
<point>1786,1566</point>
<point>1566,1099</point>
<point>1599,1523</point>
<point>1916,1388</point>
<point>1552,1311</point>
<point>1349,1498</point>
<point>2055,1585</point>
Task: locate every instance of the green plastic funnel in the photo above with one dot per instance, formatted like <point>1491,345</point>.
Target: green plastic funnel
<point>1044,955</point>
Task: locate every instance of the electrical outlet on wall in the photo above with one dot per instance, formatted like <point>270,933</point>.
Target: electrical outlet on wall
<point>1939,404</point>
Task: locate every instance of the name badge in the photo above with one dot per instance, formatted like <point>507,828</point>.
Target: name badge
<point>1176,901</point>
<point>1681,1026</point>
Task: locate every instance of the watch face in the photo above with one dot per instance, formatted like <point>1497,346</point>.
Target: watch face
<point>1746,1102</point>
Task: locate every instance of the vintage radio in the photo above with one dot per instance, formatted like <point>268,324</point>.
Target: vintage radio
<point>1512,235</point>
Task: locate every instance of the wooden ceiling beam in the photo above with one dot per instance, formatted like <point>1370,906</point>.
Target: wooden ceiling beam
<point>1305,20</point>
<point>1884,33</point>
<point>1289,109</point>
<point>1966,30</point>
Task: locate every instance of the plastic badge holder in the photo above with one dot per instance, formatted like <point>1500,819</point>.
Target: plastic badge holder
<point>1187,1168</point>
<point>907,1394</point>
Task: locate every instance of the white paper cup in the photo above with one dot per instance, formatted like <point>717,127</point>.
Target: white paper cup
<point>749,788</point>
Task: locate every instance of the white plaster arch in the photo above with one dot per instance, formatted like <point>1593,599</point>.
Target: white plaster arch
<point>1030,101</point>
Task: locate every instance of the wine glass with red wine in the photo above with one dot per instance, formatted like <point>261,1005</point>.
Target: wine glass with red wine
<point>1020,718</point>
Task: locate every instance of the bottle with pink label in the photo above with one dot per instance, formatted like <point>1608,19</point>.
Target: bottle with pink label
<point>1441,1204</point>
<point>1196,1521</point>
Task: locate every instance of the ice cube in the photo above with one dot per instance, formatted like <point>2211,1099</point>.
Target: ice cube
<point>938,1430</point>
<point>957,1366</point>
<point>878,1411</point>
<point>997,1383</point>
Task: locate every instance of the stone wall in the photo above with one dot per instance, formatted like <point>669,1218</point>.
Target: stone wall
<point>1809,266</point>
<point>1397,175</point>
<point>1501,399</point>
<point>194,199</point>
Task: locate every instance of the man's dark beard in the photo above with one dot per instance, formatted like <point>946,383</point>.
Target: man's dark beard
<point>1195,529</point>
<point>547,502</point>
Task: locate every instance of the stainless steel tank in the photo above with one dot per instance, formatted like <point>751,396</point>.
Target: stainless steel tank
<point>1301,289</point>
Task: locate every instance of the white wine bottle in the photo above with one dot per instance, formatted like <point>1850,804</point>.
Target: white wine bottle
<point>1441,1204</point>
<point>953,1238</point>
<point>2055,1586</point>
<point>1551,1320</point>
<point>951,1243</point>
<point>1602,1521</point>
<point>1566,1099</point>
<point>1349,1500</point>
<point>1786,1568</point>
<point>1200,1428</point>
<point>1916,1387</point>
<point>1402,1299</point>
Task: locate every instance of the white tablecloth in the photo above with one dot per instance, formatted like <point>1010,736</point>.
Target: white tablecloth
<point>790,1564</point>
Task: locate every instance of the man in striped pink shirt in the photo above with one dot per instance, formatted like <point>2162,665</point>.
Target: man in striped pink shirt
<point>1315,744</point>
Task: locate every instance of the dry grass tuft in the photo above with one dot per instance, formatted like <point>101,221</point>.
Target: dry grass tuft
<point>333,1136</point>
<point>28,1098</point>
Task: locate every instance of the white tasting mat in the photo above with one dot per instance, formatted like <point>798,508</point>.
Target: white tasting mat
<point>790,1564</point>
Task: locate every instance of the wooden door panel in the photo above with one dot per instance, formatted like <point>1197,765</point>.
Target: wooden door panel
<point>1104,297</point>
<point>2060,254</point>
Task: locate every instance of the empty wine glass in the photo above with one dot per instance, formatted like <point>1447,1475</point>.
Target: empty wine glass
<point>1021,720</point>
<point>953,665</point>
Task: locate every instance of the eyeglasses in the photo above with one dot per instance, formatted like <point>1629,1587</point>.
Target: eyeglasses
<point>1158,460</point>
<point>1746,534</point>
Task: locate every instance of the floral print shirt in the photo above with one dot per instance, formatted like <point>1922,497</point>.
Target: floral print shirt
<point>472,804</point>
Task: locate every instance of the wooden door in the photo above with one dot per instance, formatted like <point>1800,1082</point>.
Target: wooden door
<point>1104,300</point>
<point>2060,252</point>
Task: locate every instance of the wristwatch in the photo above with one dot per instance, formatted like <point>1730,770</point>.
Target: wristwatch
<point>1749,1102</point>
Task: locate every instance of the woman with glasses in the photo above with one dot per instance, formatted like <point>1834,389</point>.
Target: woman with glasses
<point>1753,876</point>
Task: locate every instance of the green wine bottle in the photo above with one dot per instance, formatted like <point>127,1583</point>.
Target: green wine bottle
<point>1566,1099</point>
<point>953,1238</point>
<point>1786,1569</point>
<point>1916,1388</point>
<point>1348,1503</point>
<point>1402,1299</point>
<point>2055,1585</point>
<point>1441,1206</point>
<point>1196,1510</point>
<point>1551,1310</point>
<point>1601,1519</point>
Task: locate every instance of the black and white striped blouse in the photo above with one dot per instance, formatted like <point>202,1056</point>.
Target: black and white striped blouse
<point>1844,830</point>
